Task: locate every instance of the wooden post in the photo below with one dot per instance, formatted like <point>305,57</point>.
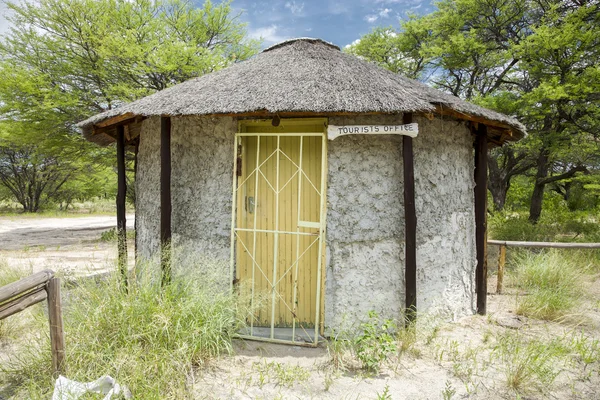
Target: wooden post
<point>121,197</point>
<point>135,174</point>
<point>57,338</point>
<point>165,198</point>
<point>410,225</point>
<point>481,149</point>
<point>501,262</point>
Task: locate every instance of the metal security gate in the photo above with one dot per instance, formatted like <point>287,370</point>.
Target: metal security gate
<point>278,227</point>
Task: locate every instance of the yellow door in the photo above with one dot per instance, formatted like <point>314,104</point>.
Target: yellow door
<point>279,223</point>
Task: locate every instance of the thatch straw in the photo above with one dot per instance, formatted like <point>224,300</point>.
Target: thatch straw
<point>300,75</point>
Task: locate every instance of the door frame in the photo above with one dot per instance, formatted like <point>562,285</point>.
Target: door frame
<point>296,125</point>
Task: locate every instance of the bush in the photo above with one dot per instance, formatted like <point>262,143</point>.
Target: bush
<point>376,343</point>
<point>150,339</point>
<point>558,227</point>
<point>551,281</point>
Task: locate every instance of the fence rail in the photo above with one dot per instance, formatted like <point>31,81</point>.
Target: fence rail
<point>18,296</point>
<point>549,245</point>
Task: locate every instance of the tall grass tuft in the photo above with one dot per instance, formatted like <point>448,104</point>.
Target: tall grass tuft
<point>9,326</point>
<point>551,281</point>
<point>149,338</point>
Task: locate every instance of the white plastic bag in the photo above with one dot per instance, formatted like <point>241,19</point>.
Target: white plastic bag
<point>66,389</point>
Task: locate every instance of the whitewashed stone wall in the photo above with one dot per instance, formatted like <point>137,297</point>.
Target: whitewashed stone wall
<point>365,217</point>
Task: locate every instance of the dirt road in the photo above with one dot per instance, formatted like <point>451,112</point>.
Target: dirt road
<point>71,245</point>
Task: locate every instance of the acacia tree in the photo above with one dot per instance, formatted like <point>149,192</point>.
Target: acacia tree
<point>535,59</point>
<point>64,60</point>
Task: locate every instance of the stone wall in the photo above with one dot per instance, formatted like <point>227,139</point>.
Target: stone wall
<point>365,222</point>
<point>202,156</point>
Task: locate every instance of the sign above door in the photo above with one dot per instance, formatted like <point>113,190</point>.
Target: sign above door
<point>334,131</point>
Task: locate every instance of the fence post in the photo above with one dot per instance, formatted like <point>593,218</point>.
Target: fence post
<point>57,338</point>
<point>501,262</point>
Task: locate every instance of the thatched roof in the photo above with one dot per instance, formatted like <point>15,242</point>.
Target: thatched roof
<point>299,76</point>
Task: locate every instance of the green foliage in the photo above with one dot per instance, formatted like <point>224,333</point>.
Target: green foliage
<point>64,60</point>
<point>376,342</point>
<point>149,338</point>
<point>385,395</point>
<point>551,281</point>
<point>534,60</point>
<point>111,235</point>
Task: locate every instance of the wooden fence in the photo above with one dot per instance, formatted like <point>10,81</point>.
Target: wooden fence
<point>551,245</point>
<point>17,296</point>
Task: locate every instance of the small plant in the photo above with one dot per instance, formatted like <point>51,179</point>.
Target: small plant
<point>385,395</point>
<point>285,375</point>
<point>587,349</point>
<point>448,391</point>
<point>338,345</point>
<point>376,343</point>
<point>407,338</point>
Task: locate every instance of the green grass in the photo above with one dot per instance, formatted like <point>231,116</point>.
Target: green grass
<point>90,207</point>
<point>529,364</point>
<point>551,284</point>
<point>111,235</point>
<point>149,339</point>
<point>9,327</point>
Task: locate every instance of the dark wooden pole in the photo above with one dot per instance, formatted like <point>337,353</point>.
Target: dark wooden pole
<point>57,338</point>
<point>481,150</point>
<point>165,198</point>
<point>135,173</point>
<point>121,196</point>
<point>410,225</point>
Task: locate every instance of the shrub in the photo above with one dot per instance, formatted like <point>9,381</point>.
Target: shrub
<point>376,342</point>
<point>551,281</point>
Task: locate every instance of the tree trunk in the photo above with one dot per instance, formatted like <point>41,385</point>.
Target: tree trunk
<point>537,198</point>
<point>498,186</point>
<point>503,164</point>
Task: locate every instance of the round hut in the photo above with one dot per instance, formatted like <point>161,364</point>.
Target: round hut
<point>323,184</point>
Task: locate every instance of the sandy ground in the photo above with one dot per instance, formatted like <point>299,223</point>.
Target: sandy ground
<point>69,245</point>
<point>448,360</point>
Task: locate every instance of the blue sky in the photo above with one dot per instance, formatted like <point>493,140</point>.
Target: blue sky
<point>337,21</point>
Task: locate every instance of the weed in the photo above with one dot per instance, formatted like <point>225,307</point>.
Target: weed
<point>587,349</point>
<point>407,338</point>
<point>376,343</point>
<point>385,395</point>
<point>448,391</point>
<point>526,363</point>
<point>284,375</point>
<point>338,346</point>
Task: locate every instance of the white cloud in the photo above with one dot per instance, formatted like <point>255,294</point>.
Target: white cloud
<point>269,34</point>
<point>384,13</point>
<point>295,8</point>
<point>357,41</point>
<point>371,18</point>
